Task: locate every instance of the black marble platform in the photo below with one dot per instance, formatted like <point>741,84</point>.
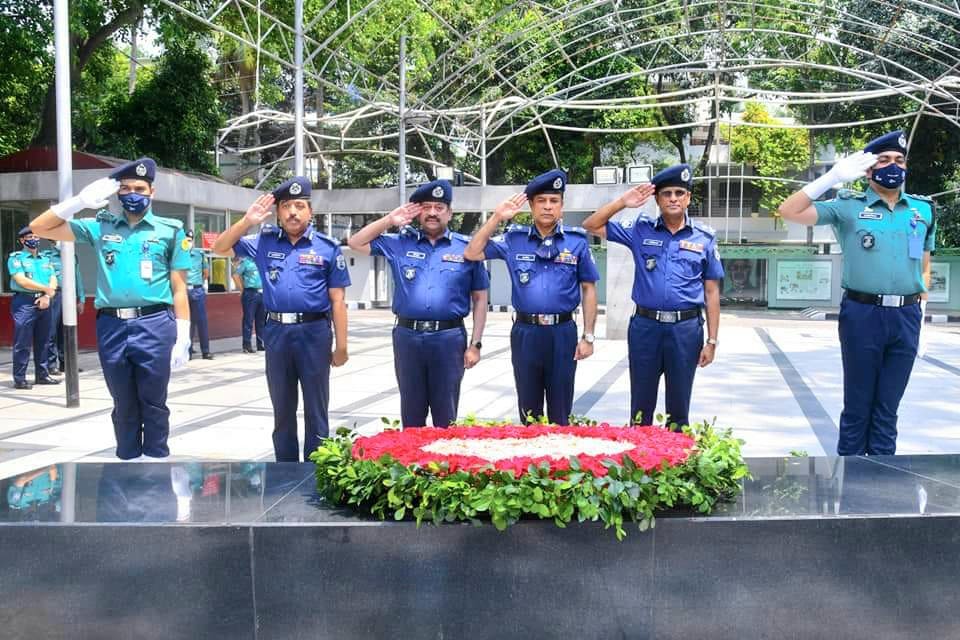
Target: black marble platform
<point>813,548</point>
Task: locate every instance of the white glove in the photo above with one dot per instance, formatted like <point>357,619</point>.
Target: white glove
<point>922,337</point>
<point>845,170</point>
<point>92,196</point>
<point>181,350</point>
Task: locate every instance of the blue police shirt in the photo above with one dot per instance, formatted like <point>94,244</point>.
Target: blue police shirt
<point>198,263</point>
<point>432,281</point>
<point>669,269</point>
<point>133,263</point>
<point>541,285</point>
<point>54,256</point>
<point>39,269</point>
<point>296,278</point>
<point>247,270</point>
<point>882,248</point>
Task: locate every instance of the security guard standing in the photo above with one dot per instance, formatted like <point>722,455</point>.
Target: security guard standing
<point>55,348</point>
<point>434,287</point>
<point>198,274</point>
<point>551,268</point>
<point>34,285</point>
<point>677,273</point>
<point>247,278</point>
<point>886,236</point>
<point>304,276</point>
<point>142,260</point>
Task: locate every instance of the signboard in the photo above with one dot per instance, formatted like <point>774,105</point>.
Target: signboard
<point>939,282</point>
<point>804,279</point>
<point>208,238</point>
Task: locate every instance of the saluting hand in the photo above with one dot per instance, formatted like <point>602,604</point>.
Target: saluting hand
<point>507,209</point>
<point>404,214</point>
<point>638,195</point>
<point>259,210</point>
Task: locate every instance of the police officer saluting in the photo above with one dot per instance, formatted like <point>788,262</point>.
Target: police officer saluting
<point>886,236</point>
<point>34,285</point>
<point>141,271</point>
<point>247,278</point>
<point>304,276</point>
<point>549,264</point>
<point>198,274</point>
<point>677,273</point>
<point>434,288</point>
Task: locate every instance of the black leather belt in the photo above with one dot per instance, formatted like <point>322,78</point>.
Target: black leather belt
<point>296,318</point>
<point>429,325</point>
<point>667,316</point>
<point>196,286</point>
<point>544,319</point>
<point>252,289</point>
<point>881,299</point>
<point>129,313</point>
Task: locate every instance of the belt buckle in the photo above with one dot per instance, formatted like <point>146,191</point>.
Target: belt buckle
<point>546,319</point>
<point>668,317</point>
<point>289,318</point>
<point>128,313</point>
<point>891,301</point>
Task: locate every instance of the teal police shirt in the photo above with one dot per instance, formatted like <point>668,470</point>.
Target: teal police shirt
<point>54,256</point>
<point>199,262</point>
<point>134,264</point>
<point>882,249</point>
<point>251,276</point>
<point>39,269</point>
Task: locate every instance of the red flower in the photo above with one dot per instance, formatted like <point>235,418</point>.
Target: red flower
<point>651,447</point>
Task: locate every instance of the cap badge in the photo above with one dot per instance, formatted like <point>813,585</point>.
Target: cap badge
<point>558,183</point>
<point>295,189</point>
<point>685,175</point>
<point>141,170</point>
<point>437,191</point>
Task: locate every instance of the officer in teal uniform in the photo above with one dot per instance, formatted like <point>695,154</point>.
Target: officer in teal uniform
<point>677,274</point>
<point>247,278</point>
<point>143,314</point>
<point>34,285</point>
<point>551,271</point>
<point>887,237</point>
<point>55,349</point>
<point>198,274</point>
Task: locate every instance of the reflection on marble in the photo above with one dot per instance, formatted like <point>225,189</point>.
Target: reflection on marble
<point>277,493</point>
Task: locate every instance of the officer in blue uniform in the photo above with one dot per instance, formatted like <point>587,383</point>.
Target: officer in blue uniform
<point>143,314</point>
<point>247,278</point>
<point>887,237</point>
<point>677,274</point>
<point>434,287</point>
<point>551,269</point>
<point>55,348</point>
<point>34,285</point>
<point>304,277</point>
<point>198,274</point>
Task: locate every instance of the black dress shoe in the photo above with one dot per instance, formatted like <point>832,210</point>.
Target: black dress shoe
<point>208,356</point>
<point>55,372</point>
<point>22,384</point>
<point>260,347</point>
<point>47,380</point>
<point>248,349</point>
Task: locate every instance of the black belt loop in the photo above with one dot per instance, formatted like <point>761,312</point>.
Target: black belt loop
<point>129,313</point>
<point>429,325</point>
<point>882,300</point>
<point>296,318</point>
<point>543,319</point>
<point>668,317</point>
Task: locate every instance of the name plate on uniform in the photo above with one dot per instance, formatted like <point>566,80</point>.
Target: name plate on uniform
<point>277,255</point>
<point>416,254</point>
<point>526,257</point>
<point>452,257</point>
<point>112,238</point>
<point>871,215</point>
<point>310,258</point>
<point>691,246</point>
<point>651,242</point>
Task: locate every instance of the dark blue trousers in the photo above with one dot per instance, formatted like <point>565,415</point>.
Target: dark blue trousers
<point>298,354</point>
<point>878,346</point>
<point>135,356</point>
<point>55,342</point>
<point>198,318</point>
<point>31,329</point>
<point>254,313</point>
<point>429,367</point>
<point>664,349</point>
<point>543,365</point>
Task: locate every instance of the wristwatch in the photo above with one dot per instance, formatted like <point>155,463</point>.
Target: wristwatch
<point>589,338</point>
<point>712,341</point>
<point>477,345</point>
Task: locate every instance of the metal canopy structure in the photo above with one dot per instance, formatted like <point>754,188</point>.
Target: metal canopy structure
<point>478,77</point>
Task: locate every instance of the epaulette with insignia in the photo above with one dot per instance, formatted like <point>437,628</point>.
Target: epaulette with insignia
<point>170,222</point>
<point>847,194</point>
<point>460,236</point>
<point>104,215</point>
<point>327,238</point>
<point>919,197</point>
<point>579,231</point>
<point>707,229</point>
<point>408,230</point>
<point>518,228</point>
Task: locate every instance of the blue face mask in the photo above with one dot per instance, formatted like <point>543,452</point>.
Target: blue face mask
<point>134,202</point>
<point>32,243</point>
<point>890,176</point>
